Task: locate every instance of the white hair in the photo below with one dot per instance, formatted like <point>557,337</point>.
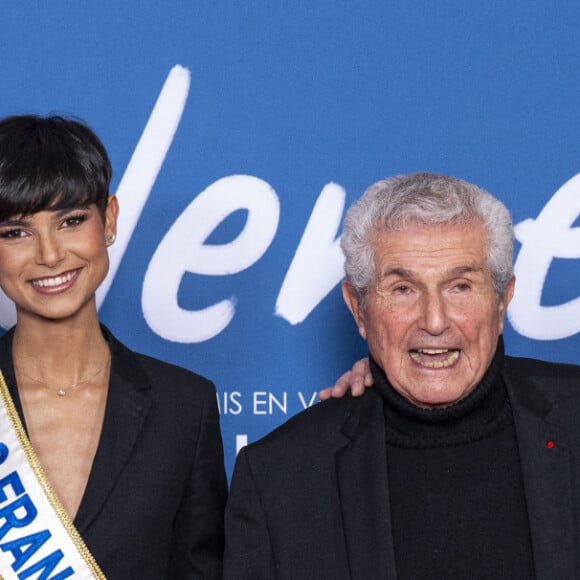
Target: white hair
<point>397,202</point>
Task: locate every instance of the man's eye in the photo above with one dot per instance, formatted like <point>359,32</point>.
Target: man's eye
<point>462,286</point>
<point>402,290</point>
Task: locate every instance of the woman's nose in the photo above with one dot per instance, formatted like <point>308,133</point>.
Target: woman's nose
<point>49,251</point>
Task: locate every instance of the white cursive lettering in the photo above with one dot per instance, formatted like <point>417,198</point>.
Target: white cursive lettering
<point>549,236</point>
<point>183,249</point>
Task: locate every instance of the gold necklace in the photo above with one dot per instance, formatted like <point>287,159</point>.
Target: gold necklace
<point>60,391</point>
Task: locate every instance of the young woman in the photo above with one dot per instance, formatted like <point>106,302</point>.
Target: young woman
<point>127,448</point>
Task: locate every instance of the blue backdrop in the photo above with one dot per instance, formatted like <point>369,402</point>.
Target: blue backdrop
<point>240,130</point>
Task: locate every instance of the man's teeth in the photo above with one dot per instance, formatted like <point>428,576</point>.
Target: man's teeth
<point>433,350</point>
<point>439,362</point>
<point>56,281</point>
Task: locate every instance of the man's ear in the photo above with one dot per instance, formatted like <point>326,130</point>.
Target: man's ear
<point>352,300</point>
<point>504,302</point>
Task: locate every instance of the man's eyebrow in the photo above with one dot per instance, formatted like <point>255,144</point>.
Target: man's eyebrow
<point>398,272</point>
<point>467,269</point>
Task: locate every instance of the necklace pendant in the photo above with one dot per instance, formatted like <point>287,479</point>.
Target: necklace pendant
<point>61,392</point>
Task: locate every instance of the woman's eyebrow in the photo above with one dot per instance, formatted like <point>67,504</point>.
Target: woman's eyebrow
<point>11,222</point>
<point>64,210</point>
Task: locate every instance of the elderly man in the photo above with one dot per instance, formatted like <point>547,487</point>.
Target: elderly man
<point>461,462</point>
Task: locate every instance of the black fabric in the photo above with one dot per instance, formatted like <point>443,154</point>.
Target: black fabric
<point>458,507</point>
<point>153,505</point>
<point>310,501</point>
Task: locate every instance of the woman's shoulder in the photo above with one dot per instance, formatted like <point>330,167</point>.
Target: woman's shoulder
<point>158,373</point>
<point>158,367</point>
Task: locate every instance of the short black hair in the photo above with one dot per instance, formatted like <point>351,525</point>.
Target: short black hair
<point>50,163</point>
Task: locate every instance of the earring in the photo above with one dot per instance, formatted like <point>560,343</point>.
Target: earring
<point>111,239</point>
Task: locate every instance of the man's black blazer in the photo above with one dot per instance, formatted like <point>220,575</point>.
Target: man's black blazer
<point>153,505</point>
<point>310,500</point>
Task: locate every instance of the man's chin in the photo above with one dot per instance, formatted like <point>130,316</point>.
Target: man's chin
<point>434,398</point>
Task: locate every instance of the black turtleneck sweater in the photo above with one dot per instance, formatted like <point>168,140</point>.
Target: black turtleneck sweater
<point>455,486</point>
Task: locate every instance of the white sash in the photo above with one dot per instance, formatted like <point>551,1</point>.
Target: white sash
<point>37,539</point>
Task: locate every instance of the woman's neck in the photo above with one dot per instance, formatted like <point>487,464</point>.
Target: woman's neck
<point>62,350</point>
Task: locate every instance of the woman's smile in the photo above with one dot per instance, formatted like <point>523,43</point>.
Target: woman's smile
<point>54,284</point>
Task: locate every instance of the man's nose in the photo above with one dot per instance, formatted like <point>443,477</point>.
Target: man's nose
<point>434,317</point>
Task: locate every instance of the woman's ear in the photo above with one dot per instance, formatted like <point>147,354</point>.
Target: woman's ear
<point>111,214</point>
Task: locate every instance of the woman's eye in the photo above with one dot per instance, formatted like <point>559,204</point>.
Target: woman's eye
<point>74,220</point>
<point>12,234</point>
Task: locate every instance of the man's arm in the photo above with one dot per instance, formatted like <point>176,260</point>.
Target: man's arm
<point>357,380</point>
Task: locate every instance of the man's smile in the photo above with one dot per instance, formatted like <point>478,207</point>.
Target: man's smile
<point>435,358</point>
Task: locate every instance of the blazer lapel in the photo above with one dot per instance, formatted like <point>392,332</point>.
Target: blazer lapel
<point>128,401</point>
<point>364,495</point>
<point>546,470</point>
